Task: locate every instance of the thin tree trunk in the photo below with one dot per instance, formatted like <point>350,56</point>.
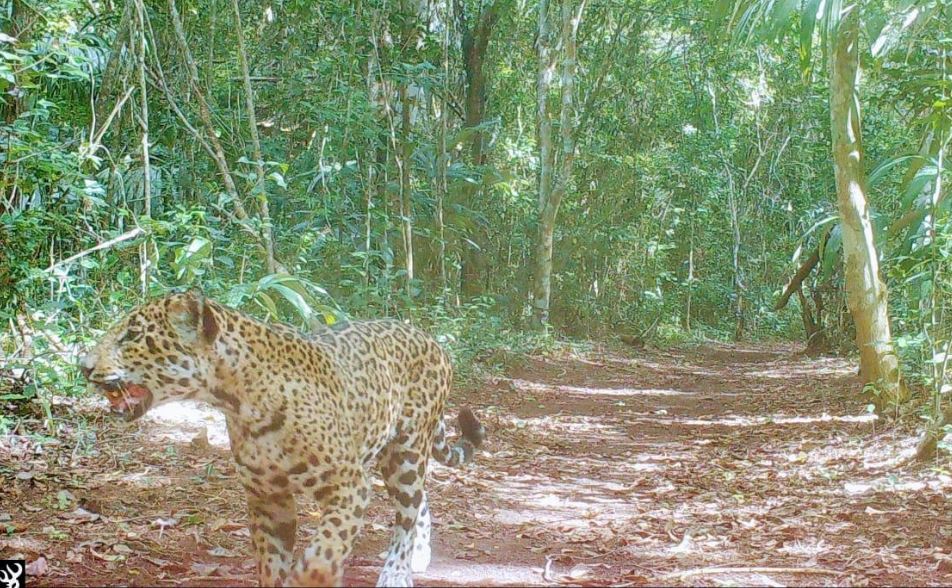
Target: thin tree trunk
<point>143,108</point>
<point>475,48</point>
<point>443,157</point>
<point>550,207</point>
<point>259,192</point>
<point>687,304</point>
<point>543,83</point>
<point>110,75</point>
<point>802,272</point>
<point>739,326</point>
<point>738,279</point>
<point>145,262</point>
<point>541,285</point>
<point>929,443</point>
<point>866,293</point>
<point>406,208</point>
<point>475,44</point>
<point>205,114</point>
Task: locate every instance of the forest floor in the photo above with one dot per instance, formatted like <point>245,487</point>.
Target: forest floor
<point>719,465</point>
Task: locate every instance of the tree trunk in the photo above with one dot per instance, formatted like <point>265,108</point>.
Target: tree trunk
<point>801,274</point>
<point>543,83</point>
<point>475,45</point>
<point>739,326</point>
<point>442,161</point>
<point>261,196</point>
<point>406,206</point>
<point>687,303</point>
<point>738,276</point>
<point>145,261</point>
<point>542,279</point>
<point>218,151</point>
<point>865,291</point>
<point>143,107</point>
<point>549,206</point>
<point>813,323</point>
<point>110,74</point>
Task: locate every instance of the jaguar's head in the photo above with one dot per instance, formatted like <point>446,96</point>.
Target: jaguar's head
<point>161,351</point>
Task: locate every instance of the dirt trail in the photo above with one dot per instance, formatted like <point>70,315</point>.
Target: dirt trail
<point>611,467</point>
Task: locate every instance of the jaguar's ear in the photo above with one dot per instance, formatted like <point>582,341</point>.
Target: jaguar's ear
<point>192,317</point>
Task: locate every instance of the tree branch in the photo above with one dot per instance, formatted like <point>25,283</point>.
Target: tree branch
<point>802,272</point>
<point>104,245</point>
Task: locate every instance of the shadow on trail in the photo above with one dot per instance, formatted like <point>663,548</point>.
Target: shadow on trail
<point>718,465</point>
<point>754,460</point>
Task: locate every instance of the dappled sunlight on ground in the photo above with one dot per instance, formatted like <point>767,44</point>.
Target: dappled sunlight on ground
<point>181,421</point>
<point>479,574</point>
<point>942,483</point>
<point>523,385</point>
<point>813,369</point>
<point>742,421</point>
<point>723,465</point>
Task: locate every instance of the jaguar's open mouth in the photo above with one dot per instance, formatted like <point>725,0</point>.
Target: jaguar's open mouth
<point>131,401</point>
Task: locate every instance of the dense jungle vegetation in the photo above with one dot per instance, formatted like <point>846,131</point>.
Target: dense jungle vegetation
<point>654,168</point>
<point>516,177</point>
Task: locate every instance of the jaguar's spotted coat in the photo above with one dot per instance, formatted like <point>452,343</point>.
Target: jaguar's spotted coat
<point>306,416</point>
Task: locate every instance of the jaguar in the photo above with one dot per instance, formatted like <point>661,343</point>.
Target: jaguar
<point>307,415</point>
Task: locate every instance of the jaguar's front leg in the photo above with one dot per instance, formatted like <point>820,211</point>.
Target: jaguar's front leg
<point>272,510</point>
<point>272,519</point>
<point>343,503</point>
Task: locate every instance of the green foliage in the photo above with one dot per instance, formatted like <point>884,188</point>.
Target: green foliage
<point>677,126</point>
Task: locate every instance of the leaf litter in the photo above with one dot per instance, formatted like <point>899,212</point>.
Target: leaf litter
<point>724,464</point>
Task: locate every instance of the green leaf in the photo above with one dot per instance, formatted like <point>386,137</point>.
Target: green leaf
<point>890,33</point>
<point>808,17</point>
<point>820,224</point>
<point>278,179</point>
<point>780,17</point>
<point>881,170</point>
<point>294,297</point>
<point>913,189</point>
<point>830,254</point>
<point>266,302</point>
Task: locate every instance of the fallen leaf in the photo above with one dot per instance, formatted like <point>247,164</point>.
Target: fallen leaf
<point>23,544</point>
<point>64,498</point>
<point>13,527</point>
<point>105,556</point>
<point>222,552</point>
<point>91,504</point>
<point>203,569</point>
<point>580,571</point>
<point>164,523</point>
<point>81,515</point>
<point>37,567</point>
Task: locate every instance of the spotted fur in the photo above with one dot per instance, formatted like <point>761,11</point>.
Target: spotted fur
<point>306,416</point>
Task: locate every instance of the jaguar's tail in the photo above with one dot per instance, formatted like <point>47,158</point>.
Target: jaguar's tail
<point>462,452</point>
